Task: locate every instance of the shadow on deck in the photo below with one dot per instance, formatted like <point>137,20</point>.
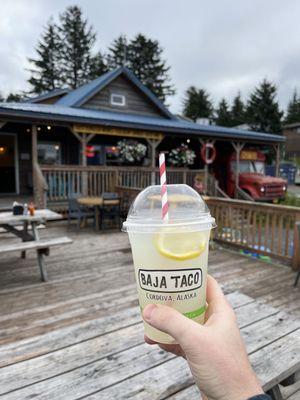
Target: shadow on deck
<point>84,293</point>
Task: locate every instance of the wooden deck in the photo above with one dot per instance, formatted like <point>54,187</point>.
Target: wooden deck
<point>64,339</point>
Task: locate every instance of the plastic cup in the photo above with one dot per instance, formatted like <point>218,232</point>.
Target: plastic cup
<point>170,258</point>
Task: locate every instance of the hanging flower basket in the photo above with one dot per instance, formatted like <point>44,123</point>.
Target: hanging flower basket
<point>182,156</point>
<point>131,152</point>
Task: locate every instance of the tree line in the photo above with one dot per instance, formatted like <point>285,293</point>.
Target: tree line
<point>260,112</point>
<point>66,58</point>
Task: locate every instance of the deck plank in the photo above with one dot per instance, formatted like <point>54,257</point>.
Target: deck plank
<point>88,351</point>
<point>79,335</point>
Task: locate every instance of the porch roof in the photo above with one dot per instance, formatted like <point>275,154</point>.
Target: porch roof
<point>51,113</point>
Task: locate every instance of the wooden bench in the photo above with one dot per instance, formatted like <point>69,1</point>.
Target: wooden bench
<point>42,247</point>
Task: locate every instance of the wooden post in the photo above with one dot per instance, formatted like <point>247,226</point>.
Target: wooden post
<point>203,142</point>
<point>277,159</point>
<point>34,159</point>
<point>40,186</point>
<point>83,150</point>
<point>153,145</point>
<point>296,251</point>
<point>83,138</point>
<point>238,148</point>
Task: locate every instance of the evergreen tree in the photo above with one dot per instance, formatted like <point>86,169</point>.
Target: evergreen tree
<point>263,112</point>
<point>15,97</point>
<point>293,110</point>
<point>78,65</point>
<point>238,116</point>
<point>143,56</point>
<point>118,53</point>
<point>45,75</point>
<point>197,104</point>
<point>1,98</point>
<point>97,66</point>
<point>223,114</point>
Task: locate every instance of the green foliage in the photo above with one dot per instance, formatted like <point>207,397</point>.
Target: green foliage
<point>238,116</point>
<point>131,151</point>
<point>291,200</point>
<point>182,156</point>
<point>293,110</point>
<point>143,56</point>
<point>15,97</point>
<point>45,75</point>
<point>64,54</point>
<point>223,114</point>
<point>197,104</point>
<point>118,54</point>
<point>263,112</point>
<point>76,56</point>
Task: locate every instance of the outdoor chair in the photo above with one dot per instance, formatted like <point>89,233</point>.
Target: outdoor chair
<point>109,212</point>
<point>78,212</point>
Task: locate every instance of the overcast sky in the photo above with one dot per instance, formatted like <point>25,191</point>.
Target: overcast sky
<point>221,45</point>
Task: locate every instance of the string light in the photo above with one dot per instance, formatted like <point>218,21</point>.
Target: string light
<point>38,128</point>
<point>188,140</point>
<point>49,127</point>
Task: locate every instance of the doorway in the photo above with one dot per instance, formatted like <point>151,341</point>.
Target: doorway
<point>8,164</point>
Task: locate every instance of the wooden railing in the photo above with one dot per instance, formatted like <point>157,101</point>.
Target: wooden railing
<point>66,180</point>
<point>260,228</point>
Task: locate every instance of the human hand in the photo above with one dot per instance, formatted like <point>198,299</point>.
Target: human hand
<point>215,351</point>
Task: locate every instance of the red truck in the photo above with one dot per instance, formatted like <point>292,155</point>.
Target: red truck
<point>252,177</point>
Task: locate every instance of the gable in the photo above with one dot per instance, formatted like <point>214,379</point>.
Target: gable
<point>135,101</point>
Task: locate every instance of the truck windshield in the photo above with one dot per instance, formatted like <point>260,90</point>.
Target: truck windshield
<point>250,166</point>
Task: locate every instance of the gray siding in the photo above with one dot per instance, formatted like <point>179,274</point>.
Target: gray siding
<point>136,102</point>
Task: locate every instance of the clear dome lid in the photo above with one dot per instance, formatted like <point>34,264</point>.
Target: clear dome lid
<point>187,209</point>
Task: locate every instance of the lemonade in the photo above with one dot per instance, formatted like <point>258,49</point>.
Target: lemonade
<point>170,259</point>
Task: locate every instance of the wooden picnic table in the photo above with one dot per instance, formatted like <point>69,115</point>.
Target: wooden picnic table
<point>106,357</point>
<point>97,203</point>
<point>29,235</point>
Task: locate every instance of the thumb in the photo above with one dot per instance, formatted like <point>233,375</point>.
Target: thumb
<point>170,321</point>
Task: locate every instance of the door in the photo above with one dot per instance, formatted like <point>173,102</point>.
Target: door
<point>8,164</point>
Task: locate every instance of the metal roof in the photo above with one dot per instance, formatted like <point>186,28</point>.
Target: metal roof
<point>82,94</point>
<point>59,113</point>
<point>48,95</point>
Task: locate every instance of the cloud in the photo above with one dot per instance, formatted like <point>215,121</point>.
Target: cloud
<point>223,46</point>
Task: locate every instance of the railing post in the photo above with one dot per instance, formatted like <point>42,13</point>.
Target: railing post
<point>39,184</point>
<point>296,247</point>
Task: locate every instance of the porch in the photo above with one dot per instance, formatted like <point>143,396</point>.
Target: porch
<point>73,168</point>
<point>80,334</point>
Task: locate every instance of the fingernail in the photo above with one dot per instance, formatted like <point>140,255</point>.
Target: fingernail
<point>148,311</point>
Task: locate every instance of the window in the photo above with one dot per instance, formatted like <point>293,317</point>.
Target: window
<point>49,153</point>
<point>250,166</point>
<point>117,100</point>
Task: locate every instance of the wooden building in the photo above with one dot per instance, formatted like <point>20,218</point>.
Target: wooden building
<point>62,141</point>
<point>292,146</point>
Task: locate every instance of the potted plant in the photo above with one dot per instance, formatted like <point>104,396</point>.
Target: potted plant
<point>182,156</point>
<point>131,152</point>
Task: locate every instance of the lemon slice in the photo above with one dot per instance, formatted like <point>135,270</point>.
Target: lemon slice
<point>180,245</point>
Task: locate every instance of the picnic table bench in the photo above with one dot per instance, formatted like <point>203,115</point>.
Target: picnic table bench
<point>25,227</point>
<point>106,357</point>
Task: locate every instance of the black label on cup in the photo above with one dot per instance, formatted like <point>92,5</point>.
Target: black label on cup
<point>170,281</point>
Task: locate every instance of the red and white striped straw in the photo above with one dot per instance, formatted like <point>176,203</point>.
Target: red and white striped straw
<point>163,184</point>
